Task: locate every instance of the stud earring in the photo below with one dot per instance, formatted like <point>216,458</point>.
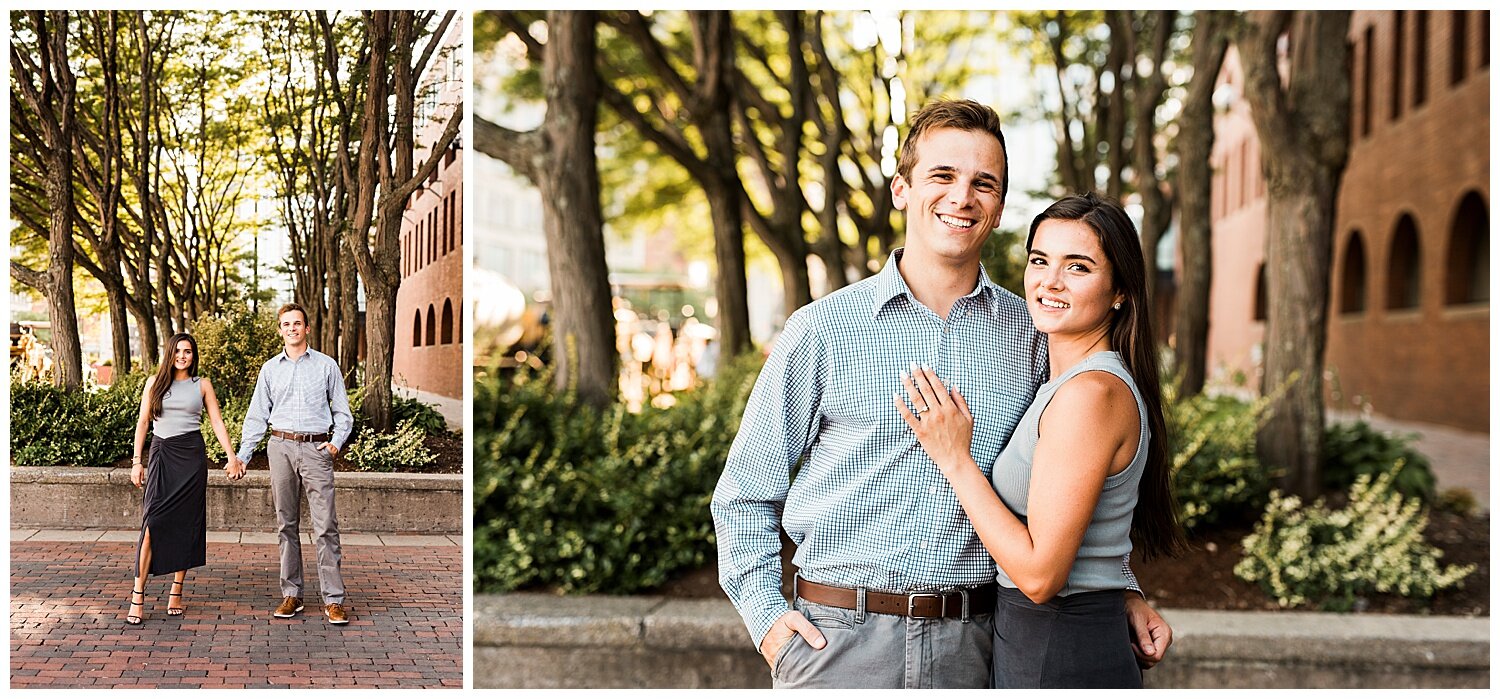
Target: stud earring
<point>1117,306</point>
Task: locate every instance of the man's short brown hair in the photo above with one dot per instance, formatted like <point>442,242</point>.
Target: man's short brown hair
<point>291,307</point>
<point>966,115</point>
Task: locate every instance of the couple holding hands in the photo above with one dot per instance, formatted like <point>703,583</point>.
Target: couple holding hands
<point>300,397</point>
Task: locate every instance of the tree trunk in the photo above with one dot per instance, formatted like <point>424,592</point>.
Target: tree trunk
<point>349,325</point>
<point>1304,134</point>
<point>729,257</point>
<point>54,102</point>
<point>1156,215</point>
<point>1195,141</point>
<point>583,329</point>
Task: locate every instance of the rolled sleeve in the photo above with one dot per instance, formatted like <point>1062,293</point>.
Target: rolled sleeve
<point>774,433</point>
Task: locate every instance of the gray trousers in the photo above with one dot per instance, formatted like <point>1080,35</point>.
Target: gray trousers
<point>298,467</point>
<point>886,651</point>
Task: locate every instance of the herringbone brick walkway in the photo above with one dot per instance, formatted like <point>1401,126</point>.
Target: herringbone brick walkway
<point>69,597</point>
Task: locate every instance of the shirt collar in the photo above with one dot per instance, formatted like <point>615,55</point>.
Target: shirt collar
<point>889,284</point>
<point>282,355</point>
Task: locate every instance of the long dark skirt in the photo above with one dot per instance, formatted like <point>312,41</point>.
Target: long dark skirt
<point>1082,640</point>
<point>175,509</point>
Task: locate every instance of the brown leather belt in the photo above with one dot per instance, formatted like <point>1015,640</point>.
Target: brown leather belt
<point>945,604</point>
<point>300,437</point>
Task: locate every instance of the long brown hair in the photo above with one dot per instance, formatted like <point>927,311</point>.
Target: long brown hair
<point>165,369</point>
<point>1154,525</point>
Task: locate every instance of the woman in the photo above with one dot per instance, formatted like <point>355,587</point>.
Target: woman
<point>1086,468</point>
<point>173,526</point>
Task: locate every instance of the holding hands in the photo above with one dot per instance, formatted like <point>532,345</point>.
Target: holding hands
<point>941,418</point>
<point>234,468</point>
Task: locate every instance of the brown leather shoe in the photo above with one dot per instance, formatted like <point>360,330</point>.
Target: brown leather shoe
<point>336,613</point>
<point>289,608</point>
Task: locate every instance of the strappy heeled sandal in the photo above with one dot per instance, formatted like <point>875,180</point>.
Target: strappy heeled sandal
<point>178,609</point>
<point>136,619</point>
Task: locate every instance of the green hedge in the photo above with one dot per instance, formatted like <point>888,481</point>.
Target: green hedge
<point>583,501</point>
<point>49,425</point>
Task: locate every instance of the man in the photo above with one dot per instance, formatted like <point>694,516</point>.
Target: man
<point>895,589</point>
<point>299,395</point>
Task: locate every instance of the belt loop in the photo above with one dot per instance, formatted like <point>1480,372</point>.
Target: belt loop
<point>795,579</point>
<point>964,594</point>
<point>859,605</point>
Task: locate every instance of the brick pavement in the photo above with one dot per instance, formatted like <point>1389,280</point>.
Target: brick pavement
<point>69,592</point>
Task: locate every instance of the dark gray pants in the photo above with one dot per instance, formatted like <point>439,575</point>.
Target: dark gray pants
<point>297,467</point>
<point>886,651</point>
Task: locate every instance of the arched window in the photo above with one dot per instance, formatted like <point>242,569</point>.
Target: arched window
<point>447,322</point>
<point>1403,279</point>
<point>1468,268</point>
<point>1260,293</point>
<point>1352,283</point>
<point>431,326</point>
<point>416,330</point>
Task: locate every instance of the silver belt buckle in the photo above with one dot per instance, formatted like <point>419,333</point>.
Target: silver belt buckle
<point>911,604</point>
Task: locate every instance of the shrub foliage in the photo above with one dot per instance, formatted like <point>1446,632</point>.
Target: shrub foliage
<point>1328,558</point>
<point>402,450</point>
<point>583,501</point>
<point>1215,474</point>
<point>50,426</point>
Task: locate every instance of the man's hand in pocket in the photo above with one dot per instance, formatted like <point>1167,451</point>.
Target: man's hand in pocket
<point>790,624</point>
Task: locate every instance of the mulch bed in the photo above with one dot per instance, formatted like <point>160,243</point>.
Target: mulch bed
<point>1204,578</point>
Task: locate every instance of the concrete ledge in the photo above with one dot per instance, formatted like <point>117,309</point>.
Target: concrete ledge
<point>103,498</point>
<point>530,640</point>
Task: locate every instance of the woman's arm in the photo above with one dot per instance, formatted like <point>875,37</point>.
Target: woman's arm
<point>1083,432</point>
<point>215,420</point>
<point>142,421</point>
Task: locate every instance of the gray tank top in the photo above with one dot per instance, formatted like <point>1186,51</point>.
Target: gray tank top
<point>1107,538</point>
<point>181,409</point>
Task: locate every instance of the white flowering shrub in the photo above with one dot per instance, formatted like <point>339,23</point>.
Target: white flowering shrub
<point>402,450</point>
<point>1314,555</point>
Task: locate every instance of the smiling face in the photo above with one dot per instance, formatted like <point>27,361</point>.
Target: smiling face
<point>952,197</point>
<point>292,325</point>
<point>1069,281</point>
<point>182,355</point>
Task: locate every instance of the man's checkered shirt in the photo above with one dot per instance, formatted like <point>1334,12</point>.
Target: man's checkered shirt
<point>306,395</point>
<point>868,508</point>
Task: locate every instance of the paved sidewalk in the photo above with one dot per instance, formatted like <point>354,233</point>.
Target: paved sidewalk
<point>70,589</point>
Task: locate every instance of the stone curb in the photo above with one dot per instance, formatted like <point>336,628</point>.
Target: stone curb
<point>1210,648</point>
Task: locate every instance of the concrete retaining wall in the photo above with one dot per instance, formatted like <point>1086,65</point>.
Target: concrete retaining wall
<point>543,641</point>
<point>101,498</point>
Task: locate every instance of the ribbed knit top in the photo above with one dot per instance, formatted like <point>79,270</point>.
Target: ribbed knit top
<point>1108,536</point>
<point>181,409</point>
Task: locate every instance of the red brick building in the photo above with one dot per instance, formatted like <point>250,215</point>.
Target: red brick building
<point>429,306</point>
<point>1408,331</point>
